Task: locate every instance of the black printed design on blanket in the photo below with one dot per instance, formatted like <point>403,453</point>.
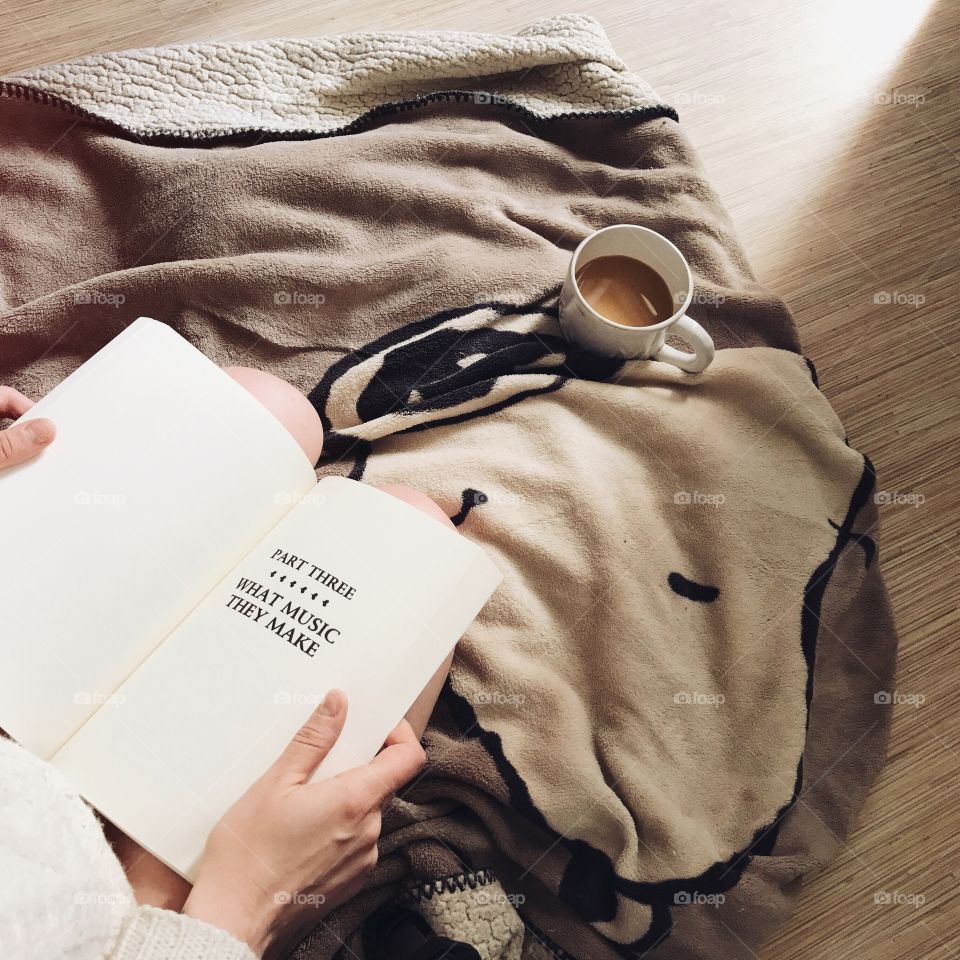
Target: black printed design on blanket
<point>470,498</point>
<point>458,364</point>
<point>700,592</point>
<point>590,885</point>
<point>465,363</point>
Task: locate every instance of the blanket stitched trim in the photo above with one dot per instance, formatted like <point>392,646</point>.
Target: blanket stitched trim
<point>454,883</point>
<point>20,91</point>
<point>558,67</point>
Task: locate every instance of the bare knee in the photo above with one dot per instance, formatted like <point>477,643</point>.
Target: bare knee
<point>287,404</point>
<point>418,499</point>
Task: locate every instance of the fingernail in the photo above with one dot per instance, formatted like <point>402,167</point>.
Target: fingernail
<point>327,705</point>
<point>40,431</point>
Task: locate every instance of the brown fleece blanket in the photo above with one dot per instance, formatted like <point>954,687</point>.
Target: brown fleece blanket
<point>668,715</point>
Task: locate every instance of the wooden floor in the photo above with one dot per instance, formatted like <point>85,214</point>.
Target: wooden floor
<point>830,128</point>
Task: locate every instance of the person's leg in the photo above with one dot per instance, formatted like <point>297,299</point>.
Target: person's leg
<point>287,404</point>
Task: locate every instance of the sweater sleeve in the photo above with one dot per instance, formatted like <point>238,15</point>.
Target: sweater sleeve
<point>63,892</point>
<point>153,934</point>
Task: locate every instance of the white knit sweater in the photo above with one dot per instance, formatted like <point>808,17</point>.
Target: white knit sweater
<point>63,893</point>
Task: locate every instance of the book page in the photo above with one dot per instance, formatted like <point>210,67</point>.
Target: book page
<point>164,472</point>
<point>352,589</point>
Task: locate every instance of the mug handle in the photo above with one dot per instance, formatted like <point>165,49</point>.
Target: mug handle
<point>697,337</point>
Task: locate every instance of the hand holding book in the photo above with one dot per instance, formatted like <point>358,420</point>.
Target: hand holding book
<point>168,709</point>
<point>25,441</point>
<point>263,859</point>
<point>289,847</point>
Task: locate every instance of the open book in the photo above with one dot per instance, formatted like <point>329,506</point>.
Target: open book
<point>177,593</point>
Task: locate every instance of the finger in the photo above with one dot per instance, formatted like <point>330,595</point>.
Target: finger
<point>401,759</point>
<point>400,734</point>
<point>13,403</point>
<point>314,740</point>
<point>403,732</point>
<point>24,441</point>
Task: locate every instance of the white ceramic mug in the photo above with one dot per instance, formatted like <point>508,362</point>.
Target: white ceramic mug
<point>582,325</point>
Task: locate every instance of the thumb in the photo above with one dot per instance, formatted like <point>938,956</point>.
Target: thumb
<point>24,441</point>
<point>313,741</point>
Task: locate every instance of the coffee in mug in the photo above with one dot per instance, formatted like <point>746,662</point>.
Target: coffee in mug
<point>626,290</point>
